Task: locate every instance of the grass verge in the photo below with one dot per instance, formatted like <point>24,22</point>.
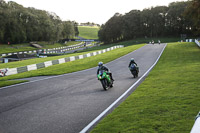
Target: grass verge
<point>88,32</point>
<point>4,48</point>
<point>73,66</point>
<point>11,82</point>
<point>40,60</point>
<point>166,102</point>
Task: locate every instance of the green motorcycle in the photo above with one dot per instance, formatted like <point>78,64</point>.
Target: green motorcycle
<point>105,79</point>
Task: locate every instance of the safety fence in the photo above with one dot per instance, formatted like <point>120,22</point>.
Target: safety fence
<point>12,71</point>
<point>47,51</point>
<point>189,40</point>
<point>197,42</point>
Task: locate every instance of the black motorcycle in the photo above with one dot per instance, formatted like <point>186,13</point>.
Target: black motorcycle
<point>134,70</point>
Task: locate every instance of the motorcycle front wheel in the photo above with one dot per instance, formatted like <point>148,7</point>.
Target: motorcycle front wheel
<point>104,84</point>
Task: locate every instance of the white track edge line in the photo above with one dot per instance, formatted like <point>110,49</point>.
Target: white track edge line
<point>116,101</point>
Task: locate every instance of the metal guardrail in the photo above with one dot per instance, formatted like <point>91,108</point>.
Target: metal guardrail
<point>189,40</point>
<point>197,42</point>
<point>11,71</point>
<point>54,50</point>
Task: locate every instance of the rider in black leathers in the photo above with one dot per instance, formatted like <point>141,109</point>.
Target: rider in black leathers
<point>132,62</point>
<point>136,68</point>
<point>102,67</point>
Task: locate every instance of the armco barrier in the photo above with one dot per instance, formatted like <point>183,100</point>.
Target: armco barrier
<point>47,51</point>
<point>31,67</point>
<point>197,42</point>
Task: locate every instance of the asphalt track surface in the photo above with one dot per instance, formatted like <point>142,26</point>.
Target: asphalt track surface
<point>69,102</point>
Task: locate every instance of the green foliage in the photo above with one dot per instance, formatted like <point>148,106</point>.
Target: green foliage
<point>167,101</point>
<point>19,24</point>
<point>88,32</point>
<point>154,22</point>
<point>192,12</point>
<point>112,30</point>
<point>11,82</point>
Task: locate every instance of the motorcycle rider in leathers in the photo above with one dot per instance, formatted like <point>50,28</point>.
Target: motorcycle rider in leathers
<point>102,67</point>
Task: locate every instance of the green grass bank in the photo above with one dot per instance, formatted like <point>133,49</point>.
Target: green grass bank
<point>5,48</point>
<point>166,102</point>
<point>88,32</point>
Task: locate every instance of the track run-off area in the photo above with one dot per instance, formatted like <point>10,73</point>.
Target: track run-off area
<point>72,102</point>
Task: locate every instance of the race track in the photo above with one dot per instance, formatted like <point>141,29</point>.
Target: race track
<point>68,103</point>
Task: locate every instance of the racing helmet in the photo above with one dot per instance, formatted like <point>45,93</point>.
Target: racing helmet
<point>100,64</point>
<point>132,59</point>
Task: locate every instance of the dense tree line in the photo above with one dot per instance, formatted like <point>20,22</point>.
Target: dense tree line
<point>160,21</point>
<point>193,12</point>
<point>19,24</point>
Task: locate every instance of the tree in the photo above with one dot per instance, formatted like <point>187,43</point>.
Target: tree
<point>176,22</point>
<point>111,31</point>
<point>19,24</point>
<point>3,18</point>
<point>68,30</point>
<point>76,28</point>
<point>193,12</point>
<point>160,21</point>
<point>132,25</point>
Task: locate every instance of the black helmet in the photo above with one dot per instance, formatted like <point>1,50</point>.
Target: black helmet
<point>100,64</point>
